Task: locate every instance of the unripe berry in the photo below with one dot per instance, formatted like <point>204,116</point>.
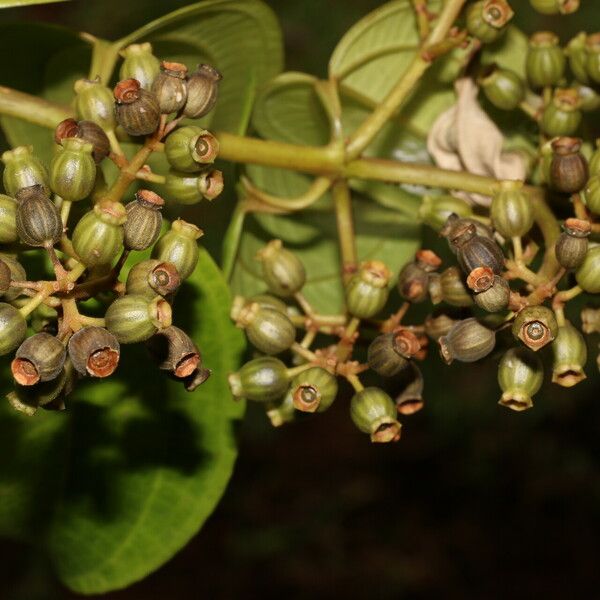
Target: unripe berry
<point>17,273</point>
<point>454,225</point>
<point>281,411</point>
<point>592,63</point>
<point>144,220</point>
<point>589,98</point>
<point>520,375</point>
<point>594,164</point>
<point>387,355</point>
<point>511,211</point>
<point>374,412</point>
<point>492,292</point>
<point>435,210</point>
<point>569,353</point>
<point>562,116</point>
<point>73,170</point>
<point>94,102</point>
<point>475,250</point>
<point>137,110</point>
<point>203,87</point>
<point>139,63</point>
<point>487,19</point>
<point>578,57</point>
<point>467,341</point>
<point>8,220</point>
<point>38,219</point>
<point>588,273</point>
<point>313,390</point>
<point>134,318</point>
<point>173,350</point>
<point>450,287</point>
<point>23,169</point>
<point>191,189</point>
<point>269,330</point>
<point>367,290</point>
<point>13,328</point>
<point>94,351</point>
<point>170,87</point>
<point>5,277</point>
<point>189,148</point>
<point>535,326</point>
<point>592,194</point>
<point>179,247</point>
<point>39,358</point>
<point>590,320</point>
<point>282,271</point>
<point>263,379</point>
<point>503,88</point>
<point>545,62</point>
<point>85,130</point>
<point>572,245</point>
<point>413,283</point>
<point>568,169</point>
<point>268,301</point>
<point>98,237</point>
<point>410,400</point>
<point>554,7</point>
<point>438,325</point>
<point>151,277</point>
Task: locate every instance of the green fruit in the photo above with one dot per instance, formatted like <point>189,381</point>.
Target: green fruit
<point>188,149</point>
<point>520,375</point>
<point>578,57</point>
<point>137,110</point>
<point>17,273</point>
<point>170,87</point>
<point>13,328</point>
<point>554,7</point>
<point>385,357</point>
<point>588,273</point>
<point>179,246</point>
<point>263,379</point>
<point>503,88</point>
<point>98,237</point>
<point>23,169</point>
<point>572,245</point>
<point>453,290</point>
<point>139,63</point>
<point>313,390</point>
<point>95,102</point>
<point>545,62</point>
<point>367,290</point>
<point>535,326</point>
<point>144,220</point>
<point>467,341</point>
<point>87,131</point>
<point>592,62</point>
<point>592,194</point>
<point>487,19</point>
<point>134,318</point>
<point>435,210</point>
<point>563,115</point>
<point>374,412</point>
<point>8,220</point>
<point>282,271</point>
<point>569,352</point>
<point>38,219</point>
<point>73,170</point>
<point>203,87</point>
<point>191,189</point>
<point>511,210</point>
<point>151,277</point>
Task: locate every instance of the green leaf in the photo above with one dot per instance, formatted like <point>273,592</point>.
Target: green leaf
<point>508,52</point>
<point>13,3</point>
<point>380,234</point>
<point>148,462</point>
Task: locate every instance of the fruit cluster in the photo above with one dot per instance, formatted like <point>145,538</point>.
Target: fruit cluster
<point>500,278</point>
<point>87,256</point>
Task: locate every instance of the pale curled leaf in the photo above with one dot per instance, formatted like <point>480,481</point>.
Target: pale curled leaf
<point>465,138</point>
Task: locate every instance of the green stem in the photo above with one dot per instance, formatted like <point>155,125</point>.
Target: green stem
<point>372,125</point>
<point>231,242</point>
<point>345,226</point>
<point>31,108</point>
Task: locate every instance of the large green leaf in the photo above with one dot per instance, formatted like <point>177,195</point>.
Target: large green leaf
<point>508,52</point>
<point>147,461</point>
<point>13,3</point>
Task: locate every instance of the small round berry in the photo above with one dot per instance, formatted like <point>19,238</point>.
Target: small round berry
<point>554,7</point>
<point>151,277</point>
<point>545,63</point>
<point>188,188</point>
<point>94,351</point>
<point>38,219</point>
<point>467,341</point>
<point>8,220</point>
<point>17,273</point>
<point>569,352</point>
<point>374,412</point>
<point>385,357</point>
<point>535,326</point>
<point>98,236</point>
<point>23,169</point>
<point>203,87</point>
<point>572,245</point>
<point>144,220</point>
<point>73,170</point>
<point>282,270</point>
<point>139,63</point>
<point>511,211</point>
<point>313,390</point>
<point>94,102</point>
<point>263,379</point>
<point>179,246</point>
<point>520,375</point>
<point>134,318</point>
<point>188,149</point>
<point>503,88</point>
<point>85,130</point>
<point>13,328</point>
<point>39,358</point>
<point>562,116</point>
<point>170,87</point>
<point>137,110</point>
<point>367,290</point>
<point>568,169</point>
<point>473,250</point>
<point>435,210</point>
<point>588,273</point>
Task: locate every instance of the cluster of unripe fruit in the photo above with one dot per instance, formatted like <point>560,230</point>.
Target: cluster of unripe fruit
<point>87,256</point>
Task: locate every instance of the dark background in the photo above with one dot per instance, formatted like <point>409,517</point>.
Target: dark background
<point>474,502</point>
